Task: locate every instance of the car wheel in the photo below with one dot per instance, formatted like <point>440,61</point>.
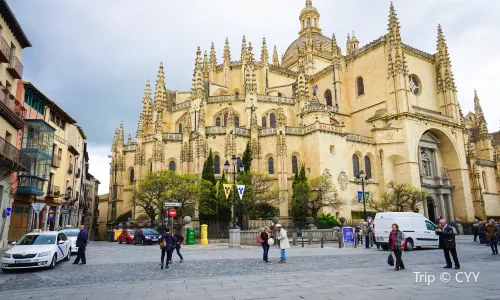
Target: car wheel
<point>409,244</point>
<point>385,247</point>
<point>143,242</point>
<point>67,255</point>
<point>119,241</point>
<point>53,263</point>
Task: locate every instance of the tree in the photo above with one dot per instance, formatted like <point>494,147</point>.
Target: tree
<point>208,169</point>
<point>259,189</point>
<point>223,212</point>
<point>323,194</point>
<point>208,200</point>
<point>151,194</point>
<point>187,190</point>
<point>247,158</point>
<point>399,197</point>
<point>300,199</point>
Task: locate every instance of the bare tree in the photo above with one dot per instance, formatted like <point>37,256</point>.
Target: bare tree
<point>399,197</point>
<point>323,194</point>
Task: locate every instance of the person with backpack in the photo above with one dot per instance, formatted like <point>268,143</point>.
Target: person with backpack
<point>263,239</point>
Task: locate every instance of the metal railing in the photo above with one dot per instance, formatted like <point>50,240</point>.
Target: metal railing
<point>54,191</point>
<point>5,99</point>
<point>276,99</point>
<point>15,155</point>
<point>56,161</point>
<point>15,68</point>
<point>4,50</point>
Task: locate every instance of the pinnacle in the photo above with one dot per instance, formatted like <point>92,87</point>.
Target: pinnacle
<point>276,60</point>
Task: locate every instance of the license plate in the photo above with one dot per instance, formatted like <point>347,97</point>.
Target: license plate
<point>24,261</point>
<point>155,240</point>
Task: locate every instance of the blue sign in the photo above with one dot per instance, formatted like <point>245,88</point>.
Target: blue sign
<point>348,235</point>
<point>7,211</point>
<point>360,196</point>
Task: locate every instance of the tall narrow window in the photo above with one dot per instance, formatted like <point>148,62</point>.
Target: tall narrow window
<point>360,86</point>
<point>225,119</point>
<point>355,165</point>
<point>151,167</point>
<point>180,128</point>
<point>236,121</point>
<point>171,166</point>
<point>485,182</point>
<point>264,122</point>
<point>217,121</point>
<point>216,164</point>
<point>294,164</point>
<point>315,22</point>
<point>308,22</point>
<point>328,97</point>
<point>272,120</point>
<point>368,167</point>
<point>131,176</point>
<point>270,165</point>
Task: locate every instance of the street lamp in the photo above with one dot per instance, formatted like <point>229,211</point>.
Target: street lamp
<point>241,168</point>
<point>362,176</point>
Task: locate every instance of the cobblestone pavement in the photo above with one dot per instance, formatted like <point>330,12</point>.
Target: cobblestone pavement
<point>214,272</point>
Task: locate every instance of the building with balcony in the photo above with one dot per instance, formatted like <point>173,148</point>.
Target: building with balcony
<point>12,42</point>
<point>91,206</point>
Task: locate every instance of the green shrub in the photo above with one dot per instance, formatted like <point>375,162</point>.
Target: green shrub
<point>264,211</point>
<point>325,221</point>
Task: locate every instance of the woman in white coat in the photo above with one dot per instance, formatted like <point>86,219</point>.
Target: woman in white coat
<point>283,240</point>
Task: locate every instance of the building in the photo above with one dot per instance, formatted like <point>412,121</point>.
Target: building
<point>12,42</point>
<point>90,212</point>
<point>102,217</point>
<point>386,108</point>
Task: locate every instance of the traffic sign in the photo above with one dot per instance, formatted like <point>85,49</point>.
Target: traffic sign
<point>38,207</point>
<point>64,211</point>
<point>7,211</point>
<point>172,213</point>
<point>173,204</point>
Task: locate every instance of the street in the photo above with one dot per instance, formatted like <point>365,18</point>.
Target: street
<point>116,271</point>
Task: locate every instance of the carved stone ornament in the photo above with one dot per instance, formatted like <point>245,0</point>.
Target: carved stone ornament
<point>343,180</point>
<point>389,136</point>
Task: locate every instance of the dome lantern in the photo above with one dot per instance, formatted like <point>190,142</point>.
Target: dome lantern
<point>309,19</point>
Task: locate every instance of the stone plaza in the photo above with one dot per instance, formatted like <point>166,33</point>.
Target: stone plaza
<point>116,271</point>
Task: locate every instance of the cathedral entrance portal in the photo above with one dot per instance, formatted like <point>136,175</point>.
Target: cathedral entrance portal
<point>431,209</point>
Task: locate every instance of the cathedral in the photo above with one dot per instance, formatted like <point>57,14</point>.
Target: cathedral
<point>385,108</point>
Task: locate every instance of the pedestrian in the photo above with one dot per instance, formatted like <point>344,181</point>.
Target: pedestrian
<point>447,243</point>
<point>264,236</point>
<point>357,234</point>
<point>480,230</point>
<point>178,239</point>
<point>397,242</point>
<point>491,232</point>
<point>81,242</point>
<point>166,241</point>
<point>283,240</point>
<point>366,234</point>
<point>474,230</point>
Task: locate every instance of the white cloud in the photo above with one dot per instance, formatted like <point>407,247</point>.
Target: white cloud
<point>99,164</point>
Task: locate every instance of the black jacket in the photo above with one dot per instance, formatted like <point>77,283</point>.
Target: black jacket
<point>446,238</point>
<point>264,237</point>
<point>82,239</point>
<point>178,240</point>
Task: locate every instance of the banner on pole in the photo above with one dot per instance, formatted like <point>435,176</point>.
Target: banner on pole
<point>241,190</point>
<point>227,189</point>
<point>360,195</point>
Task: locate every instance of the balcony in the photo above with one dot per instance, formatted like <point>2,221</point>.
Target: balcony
<point>70,168</point>
<point>10,112</point>
<point>15,68</point>
<point>12,159</point>
<point>78,173</point>
<point>4,51</point>
<point>54,191</point>
<point>56,161</point>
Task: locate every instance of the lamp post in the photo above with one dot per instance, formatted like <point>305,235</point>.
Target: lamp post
<point>362,176</point>
<point>241,168</point>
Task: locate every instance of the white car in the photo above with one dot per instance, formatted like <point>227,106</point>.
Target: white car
<point>72,234</point>
<point>37,250</point>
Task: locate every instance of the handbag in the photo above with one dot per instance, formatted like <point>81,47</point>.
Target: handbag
<point>163,244</point>
<point>390,260</point>
<point>260,240</point>
<point>270,241</point>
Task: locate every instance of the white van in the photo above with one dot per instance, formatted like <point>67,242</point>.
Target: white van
<point>418,230</point>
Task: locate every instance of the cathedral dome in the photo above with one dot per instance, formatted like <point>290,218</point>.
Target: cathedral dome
<point>319,41</point>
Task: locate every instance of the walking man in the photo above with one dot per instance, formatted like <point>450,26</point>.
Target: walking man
<point>167,242</point>
<point>81,243</point>
<point>366,233</point>
<point>447,243</point>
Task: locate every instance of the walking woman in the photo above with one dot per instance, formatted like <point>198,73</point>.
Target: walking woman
<point>166,241</point>
<point>178,239</point>
<point>491,232</point>
<point>397,243</point>
<point>264,237</point>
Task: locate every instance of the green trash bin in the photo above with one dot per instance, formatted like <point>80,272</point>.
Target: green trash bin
<point>190,236</point>
<point>110,235</point>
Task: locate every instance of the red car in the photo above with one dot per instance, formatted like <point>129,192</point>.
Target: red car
<point>127,236</point>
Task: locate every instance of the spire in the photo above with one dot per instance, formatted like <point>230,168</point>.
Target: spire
<point>206,69</point>
<point>160,91</point>
<point>398,65</point>
<point>244,50</point>
<point>213,58</point>
<point>480,120</point>
<point>115,141</point>
<point>159,122</point>
<point>336,53</point>
<point>276,59</point>
<point>250,76</point>
<point>197,89</point>
<point>445,78</point>
<point>264,55</point>
<point>140,129</point>
<point>227,53</point>
<point>302,88</point>
<point>129,140</point>
<point>147,104</point>
<point>249,53</point>
<point>121,135</point>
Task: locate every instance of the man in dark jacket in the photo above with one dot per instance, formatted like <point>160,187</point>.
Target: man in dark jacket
<point>447,243</point>
<point>178,239</point>
<point>169,240</point>
<point>81,243</point>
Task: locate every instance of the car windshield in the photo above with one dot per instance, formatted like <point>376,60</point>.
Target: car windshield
<point>71,232</point>
<point>37,239</point>
<point>149,231</point>
<point>131,231</point>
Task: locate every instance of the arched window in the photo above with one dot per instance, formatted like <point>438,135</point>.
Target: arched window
<point>308,22</point>
<point>272,120</point>
<point>360,86</point>
<point>217,121</point>
<point>485,182</point>
<point>368,167</point>
<point>264,122</point>
<point>236,121</point>
<point>131,176</point>
<point>270,165</point>
<point>216,164</point>
<point>294,165</point>
<point>180,128</point>
<point>328,97</point>
<point>304,23</point>
<point>171,166</point>
<point>225,119</point>
<point>355,165</point>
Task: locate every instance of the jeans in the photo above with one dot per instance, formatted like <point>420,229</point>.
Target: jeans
<point>266,252</point>
<point>475,236</point>
<point>481,238</point>
<point>367,241</point>
<point>283,256</point>
<point>178,250</point>
<point>169,255</point>
<point>81,255</point>
<point>493,245</point>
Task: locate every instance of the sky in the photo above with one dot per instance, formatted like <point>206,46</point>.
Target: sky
<point>93,57</point>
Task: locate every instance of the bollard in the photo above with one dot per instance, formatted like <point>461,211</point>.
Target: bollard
<point>340,240</point>
<point>302,241</point>
<point>321,242</point>
<point>324,236</point>
<point>309,238</point>
<point>294,237</point>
